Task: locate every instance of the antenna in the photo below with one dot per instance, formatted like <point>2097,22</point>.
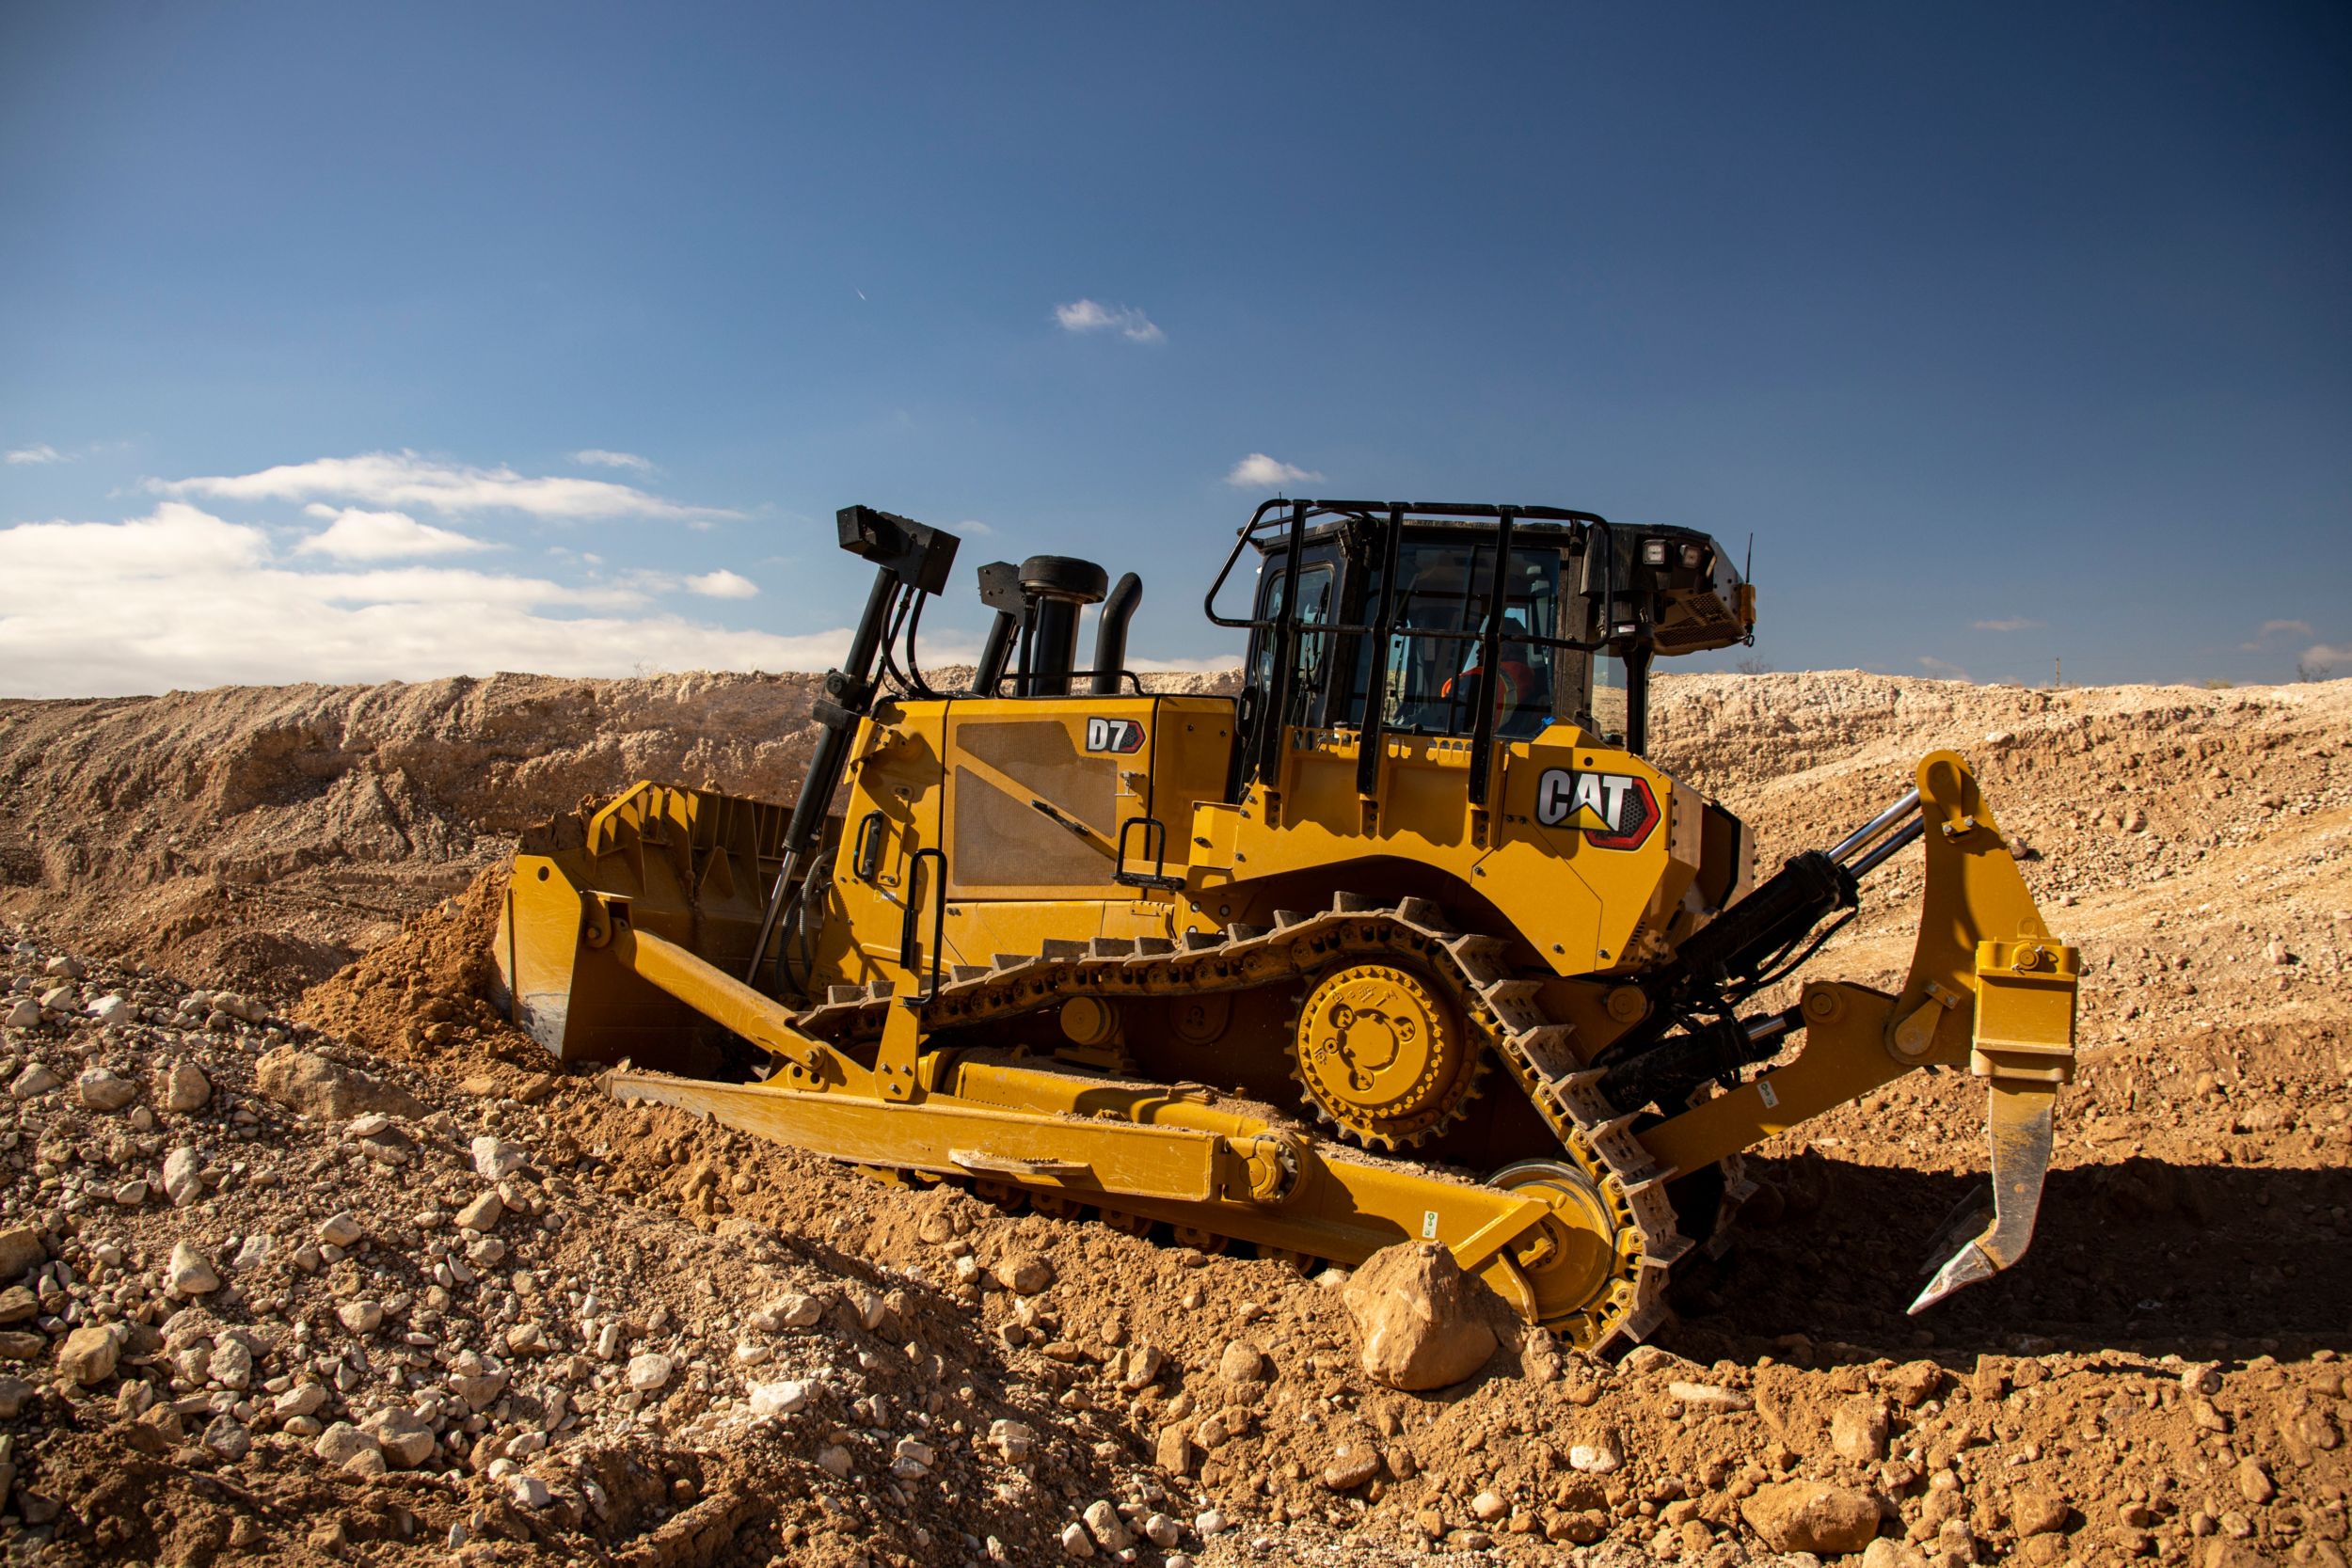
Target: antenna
<point>1747,572</point>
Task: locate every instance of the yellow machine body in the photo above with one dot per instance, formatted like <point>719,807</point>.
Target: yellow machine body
<point>1031,823</point>
<point>1072,951</point>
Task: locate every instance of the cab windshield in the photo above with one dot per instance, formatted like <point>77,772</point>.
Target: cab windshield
<point>1435,653</point>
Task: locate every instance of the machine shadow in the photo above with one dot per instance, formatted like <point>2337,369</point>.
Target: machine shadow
<point>2145,1254</point>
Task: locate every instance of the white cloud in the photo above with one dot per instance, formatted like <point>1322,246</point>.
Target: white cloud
<point>392,480</point>
<point>356,535</point>
<point>2319,655</point>
<point>2300,629</point>
<point>2012,623</point>
<point>723,584</point>
<point>182,598</point>
<point>41,454</point>
<point>1258,470</point>
<point>1942,670</point>
<point>1085,315</point>
<point>976,528</point>
<point>596,457</point>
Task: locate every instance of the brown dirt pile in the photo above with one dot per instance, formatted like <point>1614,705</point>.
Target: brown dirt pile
<point>422,994</point>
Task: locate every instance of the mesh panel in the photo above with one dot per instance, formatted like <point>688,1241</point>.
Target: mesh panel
<point>1001,840</point>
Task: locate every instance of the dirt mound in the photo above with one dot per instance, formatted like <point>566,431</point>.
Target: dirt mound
<point>263,835</point>
<point>424,993</point>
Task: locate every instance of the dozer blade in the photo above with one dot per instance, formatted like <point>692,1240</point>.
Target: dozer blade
<point>2020,1122</point>
<point>1107,1144</point>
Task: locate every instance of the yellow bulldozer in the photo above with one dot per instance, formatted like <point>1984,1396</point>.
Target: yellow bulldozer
<point>1408,940</point>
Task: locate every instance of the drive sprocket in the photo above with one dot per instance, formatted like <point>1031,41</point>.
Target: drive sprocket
<point>1382,1056</point>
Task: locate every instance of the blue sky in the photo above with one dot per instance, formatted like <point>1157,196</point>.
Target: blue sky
<point>349,345</point>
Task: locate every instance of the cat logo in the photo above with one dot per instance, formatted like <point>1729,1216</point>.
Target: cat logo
<point>1614,810</point>
<point>1123,735</point>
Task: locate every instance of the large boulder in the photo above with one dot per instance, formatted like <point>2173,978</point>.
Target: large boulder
<point>1424,1322</point>
<point>1809,1516</point>
<point>21,1252</point>
<point>307,1082</point>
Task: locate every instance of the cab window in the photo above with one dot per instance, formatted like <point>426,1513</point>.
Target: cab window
<point>1312,652</point>
<point>1435,650</point>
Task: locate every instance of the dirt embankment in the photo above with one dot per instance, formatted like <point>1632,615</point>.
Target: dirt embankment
<point>2160,1380</point>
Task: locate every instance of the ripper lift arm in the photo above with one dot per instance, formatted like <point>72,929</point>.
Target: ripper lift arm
<point>1988,985</point>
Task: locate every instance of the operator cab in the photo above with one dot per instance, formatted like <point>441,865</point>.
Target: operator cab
<point>1401,609</point>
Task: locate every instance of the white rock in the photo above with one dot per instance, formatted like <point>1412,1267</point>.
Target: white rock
<point>90,1353</point>
<point>835,1460</point>
<point>337,1442</point>
<point>650,1373</point>
<point>1109,1530</point>
<point>1209,1522</point>
<point>340,1230</point>
<point>483,1212</point>
<point>183,1088</point>
<point>1075,1542</point>
<point>472,1381</point>
<point>779,1398</point>
<point>184,1179</point>
<point>253,1254</point>
<point>1162,1530</point>
<point>495,1159</point>
<point>131,1192</point>
<point>1598,1459</point>
<point>1709,1395</point>
<point>60,999</point>
<point>1014,1439</point>
<point>190,1273</point>
<point>790,1310</point>
<point>23,1013</point>
<point>65,967</point>
<point>231,1365</point>
<point>110,1010</point>
<point>406,1439</point>
<point>527,1491</point>
<point>911,1457</point>
<point>103,1090</point>
<point>360,1317</point>
<point>305,1398</point>
<point>34,1079</point>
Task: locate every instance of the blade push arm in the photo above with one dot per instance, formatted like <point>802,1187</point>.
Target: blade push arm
<point>1988,985</point>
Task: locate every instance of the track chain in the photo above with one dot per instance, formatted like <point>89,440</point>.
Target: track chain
<point>1503,1009</point>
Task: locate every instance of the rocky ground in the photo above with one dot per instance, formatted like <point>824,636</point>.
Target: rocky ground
<point>291,1276</point>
